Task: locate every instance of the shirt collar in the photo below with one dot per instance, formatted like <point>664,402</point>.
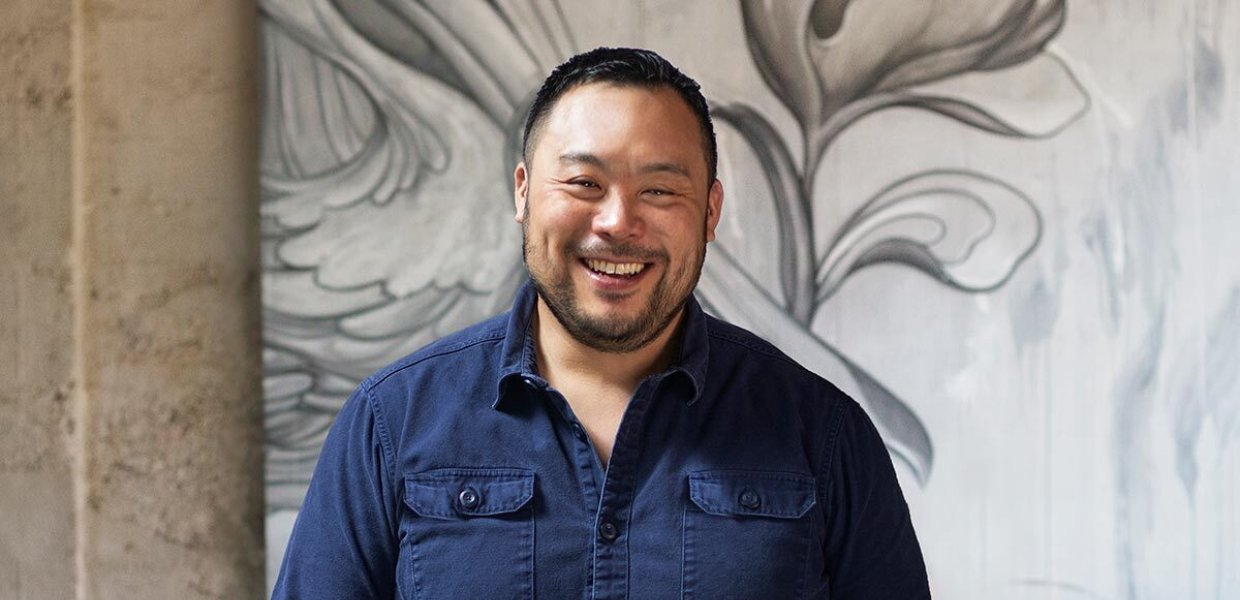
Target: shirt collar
<point>517,357</point>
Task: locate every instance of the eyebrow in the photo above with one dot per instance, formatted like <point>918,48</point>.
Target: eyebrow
<point>664,167</point>
<point>572,158</point>
<point>593,160</point>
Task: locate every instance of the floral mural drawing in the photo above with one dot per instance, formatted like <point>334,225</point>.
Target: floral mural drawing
<point>390,129</point>
<point>833,63</point>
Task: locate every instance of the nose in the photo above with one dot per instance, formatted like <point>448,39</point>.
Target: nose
<point>618,217</point>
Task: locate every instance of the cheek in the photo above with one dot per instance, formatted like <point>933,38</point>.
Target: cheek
<point>562,223</point>
<point>552,234</point>
<point>685,239</point>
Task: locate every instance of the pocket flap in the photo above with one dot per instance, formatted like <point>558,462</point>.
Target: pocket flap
<point>773,494</point>
<point>456,493</point>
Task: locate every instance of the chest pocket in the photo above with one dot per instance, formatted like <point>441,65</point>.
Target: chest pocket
<point>747,534</point>
<point>468,533</point>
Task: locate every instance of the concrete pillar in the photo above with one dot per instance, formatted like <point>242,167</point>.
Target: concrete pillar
<point>36,309</point>
<point>130,412</point>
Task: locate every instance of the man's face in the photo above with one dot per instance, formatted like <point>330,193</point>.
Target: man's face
<point>616,212</point>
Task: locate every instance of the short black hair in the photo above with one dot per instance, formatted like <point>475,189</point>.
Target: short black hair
<point>621,66</point>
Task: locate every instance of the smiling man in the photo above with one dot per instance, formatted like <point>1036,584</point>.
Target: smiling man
<point>605,438</point>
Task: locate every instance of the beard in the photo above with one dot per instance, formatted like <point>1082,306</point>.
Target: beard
<point>610,333</point>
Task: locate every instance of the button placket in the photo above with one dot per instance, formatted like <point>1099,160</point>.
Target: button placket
<point>579,431</point>
<point>608,531</point>
<point>611,557</point>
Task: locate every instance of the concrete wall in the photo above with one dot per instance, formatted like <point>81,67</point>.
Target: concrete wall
<point>36,307</point>
<point>130,456</point>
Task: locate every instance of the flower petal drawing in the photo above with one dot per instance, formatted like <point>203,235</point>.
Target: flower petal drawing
<point>928,41</point>
<point>823,55</point>
<point>964,228</point>
<point>778,39</point>
<point>1034,99</point>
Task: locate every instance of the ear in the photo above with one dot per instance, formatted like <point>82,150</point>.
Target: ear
<point>520,190</point>
<point>714,204</point>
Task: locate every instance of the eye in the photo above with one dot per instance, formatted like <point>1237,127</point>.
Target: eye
<point>661,196</point>
<point>584,183</point>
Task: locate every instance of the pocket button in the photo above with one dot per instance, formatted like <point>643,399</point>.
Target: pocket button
<point>749,499</point>
<point>469,498</point>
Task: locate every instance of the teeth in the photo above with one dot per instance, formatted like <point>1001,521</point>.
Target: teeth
<point>612,268</point>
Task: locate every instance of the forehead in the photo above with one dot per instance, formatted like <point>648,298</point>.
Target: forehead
<point>624,122</point>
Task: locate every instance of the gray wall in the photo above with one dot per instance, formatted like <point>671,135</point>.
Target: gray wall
<point>1004,228</point>
<point>130,431</point>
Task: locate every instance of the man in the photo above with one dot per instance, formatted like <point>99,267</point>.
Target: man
<point>605,438</point>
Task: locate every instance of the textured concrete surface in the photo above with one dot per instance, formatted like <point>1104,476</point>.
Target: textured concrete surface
<point>130,435</point>
<point>36,351</point>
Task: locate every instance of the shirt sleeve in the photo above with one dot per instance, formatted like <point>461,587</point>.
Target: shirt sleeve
<point>344,543</point>
<point>871,549</point>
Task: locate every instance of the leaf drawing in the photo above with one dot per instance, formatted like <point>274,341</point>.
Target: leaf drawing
<point>964,228</point>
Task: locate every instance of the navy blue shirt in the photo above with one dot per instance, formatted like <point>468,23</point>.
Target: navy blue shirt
<point>458,472</point>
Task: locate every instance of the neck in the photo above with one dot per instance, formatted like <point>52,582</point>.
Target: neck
<point>561,357</point>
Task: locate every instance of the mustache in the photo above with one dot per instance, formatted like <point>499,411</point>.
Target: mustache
<point>626,251</point>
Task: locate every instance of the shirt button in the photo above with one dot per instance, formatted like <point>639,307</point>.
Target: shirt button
<point>579,431</point>
<point>608,530</point>
<point>749,499</point>
<point>469,498</point>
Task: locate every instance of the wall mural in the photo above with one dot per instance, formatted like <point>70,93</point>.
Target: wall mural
<point>390,130</point>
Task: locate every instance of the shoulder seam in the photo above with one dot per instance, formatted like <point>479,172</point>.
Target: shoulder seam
<point>385,440</point>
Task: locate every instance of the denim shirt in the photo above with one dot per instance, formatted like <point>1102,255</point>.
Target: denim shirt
<point>458,472</point>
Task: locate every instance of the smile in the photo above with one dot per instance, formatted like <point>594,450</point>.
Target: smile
<point>614,268</point>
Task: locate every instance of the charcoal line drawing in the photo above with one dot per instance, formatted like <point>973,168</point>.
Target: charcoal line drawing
<point>389,129</point>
